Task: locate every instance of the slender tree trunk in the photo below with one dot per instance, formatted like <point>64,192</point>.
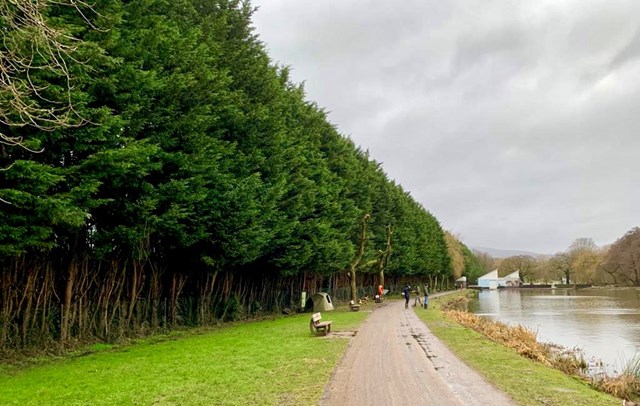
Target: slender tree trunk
<point>68,298</point>
<point>384,257</point>
<point>84,283</point>
<point>110,296</point>
<point>354,264</point>
<point>206,295</point>
<point>136,286</point>
<point>47,294</point>
<point>29,293</point>
<point>155,290</point>
<point>8,294</point>
<point>177,283</point>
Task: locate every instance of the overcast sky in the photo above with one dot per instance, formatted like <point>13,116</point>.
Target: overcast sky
<point>514,122</point>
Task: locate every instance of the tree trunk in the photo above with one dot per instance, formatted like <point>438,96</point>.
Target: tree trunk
<point>384,257</point>
<point>6,297</point>
<point>354,264</point>
<point>29,293</point>
<point>177,283</point>
<point>47,294</point>
<point>68,296</point>
<point>206,294</point>
<point>155,290</point>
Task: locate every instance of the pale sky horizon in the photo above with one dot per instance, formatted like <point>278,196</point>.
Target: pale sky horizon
<point>514,123</point>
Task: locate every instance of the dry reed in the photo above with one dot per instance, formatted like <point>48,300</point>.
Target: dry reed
<point>626,385</point>
<point>524,341</point>
<point>517,337</point>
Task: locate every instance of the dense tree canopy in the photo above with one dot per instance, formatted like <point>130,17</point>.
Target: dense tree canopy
<point>203,186</point>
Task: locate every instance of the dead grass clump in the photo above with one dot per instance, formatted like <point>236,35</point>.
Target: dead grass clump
<point>633,367</point>
<point>518,337</point>
<point>625,385</point>
<point>460,304</point>
<point>569,361</point>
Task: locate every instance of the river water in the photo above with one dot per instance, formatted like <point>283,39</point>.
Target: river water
<point>603,323</point>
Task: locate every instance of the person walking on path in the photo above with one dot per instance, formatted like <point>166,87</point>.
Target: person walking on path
<point>407,295</point>
<point>426,296</point>
<point>380,293</point>
<point>418,298</point>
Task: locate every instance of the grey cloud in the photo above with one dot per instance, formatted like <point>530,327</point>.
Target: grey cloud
<point>515,123</point>
<point>628,54</point>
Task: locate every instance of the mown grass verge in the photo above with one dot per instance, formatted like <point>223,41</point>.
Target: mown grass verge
<point>270,362</point>
<point>526,381</point>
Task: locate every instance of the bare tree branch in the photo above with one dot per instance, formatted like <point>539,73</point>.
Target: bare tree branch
<point>30,44</point>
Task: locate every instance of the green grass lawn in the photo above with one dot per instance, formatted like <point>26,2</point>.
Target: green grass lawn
<point>526,381</point>
<point>272,362</point>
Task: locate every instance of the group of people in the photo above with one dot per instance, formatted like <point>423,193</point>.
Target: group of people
<point>406,291</point>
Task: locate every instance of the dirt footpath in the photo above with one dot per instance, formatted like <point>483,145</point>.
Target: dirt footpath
<point>394,359</point>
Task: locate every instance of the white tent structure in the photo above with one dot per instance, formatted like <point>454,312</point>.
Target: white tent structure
<point>510,281</point>
<point>489,280</point>
<point>492,281</point>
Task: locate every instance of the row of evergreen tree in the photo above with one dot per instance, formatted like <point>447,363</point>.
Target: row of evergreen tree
<point>202,185</point>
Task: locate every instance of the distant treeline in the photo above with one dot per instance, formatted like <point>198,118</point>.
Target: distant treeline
<point>197,184</point>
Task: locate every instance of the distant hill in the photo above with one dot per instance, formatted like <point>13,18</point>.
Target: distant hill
<point>501,253</point>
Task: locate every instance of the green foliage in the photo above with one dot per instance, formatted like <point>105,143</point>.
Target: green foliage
<point>249,361</point>
<point>473,269</point>
<point>198,156</point>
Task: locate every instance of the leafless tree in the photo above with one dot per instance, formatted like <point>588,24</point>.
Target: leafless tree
<point>524,264</point>
<point>30,43</point>
<point>560,264</point>
<point>623,257</point>
<point>584,259</point>
<point>454,249</point>
<point>486,261</point>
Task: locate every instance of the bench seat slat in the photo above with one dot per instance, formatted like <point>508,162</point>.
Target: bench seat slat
<point>319,326</point>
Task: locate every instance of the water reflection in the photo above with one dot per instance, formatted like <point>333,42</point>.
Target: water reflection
<point>604,324</point>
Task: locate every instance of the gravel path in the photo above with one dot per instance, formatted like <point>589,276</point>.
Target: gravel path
<point>394,359</point>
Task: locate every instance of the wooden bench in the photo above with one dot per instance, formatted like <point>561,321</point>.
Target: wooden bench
<point>353,306</point>
<point>317,326</point>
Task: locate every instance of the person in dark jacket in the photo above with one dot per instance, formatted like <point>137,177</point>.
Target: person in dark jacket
<point>407,295</point>
<point>426,295</point>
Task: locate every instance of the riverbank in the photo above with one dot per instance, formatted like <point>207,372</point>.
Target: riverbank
<point>599,323</point>
<point>528,382</point>
<point>267,362</point>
